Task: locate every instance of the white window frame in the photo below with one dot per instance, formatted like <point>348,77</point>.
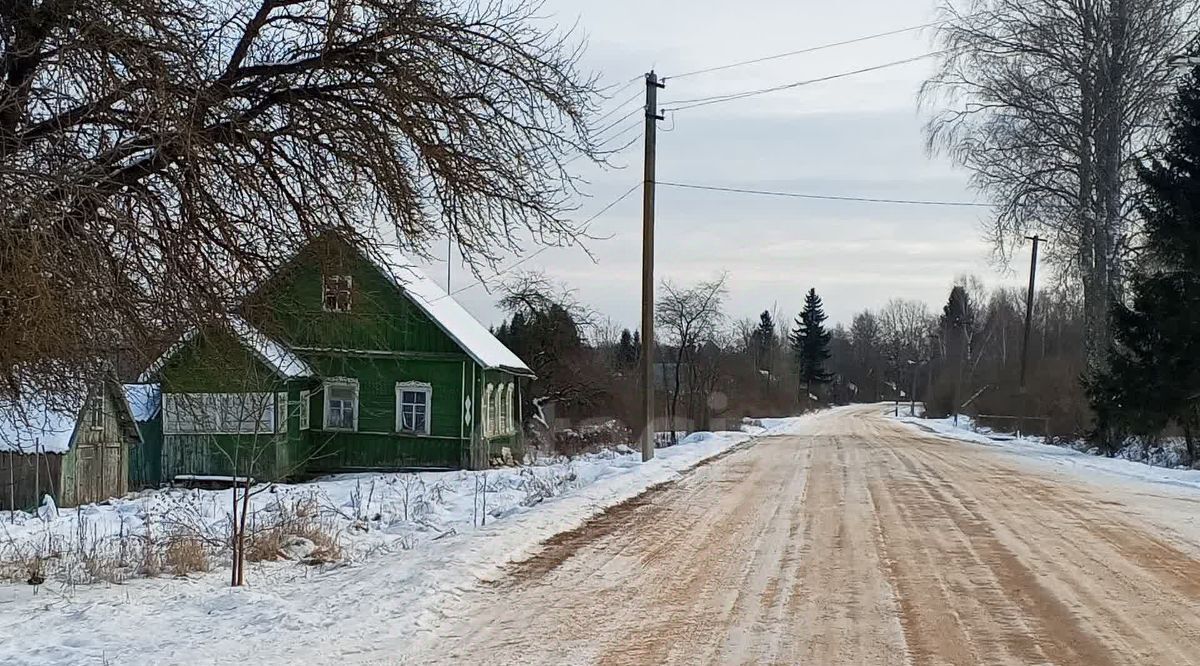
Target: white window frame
<point>489,419</point>
<point>337,284</point>
<point>414,387</point>
<point>508,409</point>
<point>281,412</point>
<point>339,382</point>
<point>305,410</point>
<point>214,417</point>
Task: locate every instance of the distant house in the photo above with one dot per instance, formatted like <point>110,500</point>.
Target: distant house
<point>74,449</point>
<point>339,362</point>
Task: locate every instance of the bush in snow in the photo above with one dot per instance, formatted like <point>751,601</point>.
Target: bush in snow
<point>586,438</point>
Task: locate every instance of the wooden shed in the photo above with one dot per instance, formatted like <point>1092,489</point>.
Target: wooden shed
<point>75,449</point>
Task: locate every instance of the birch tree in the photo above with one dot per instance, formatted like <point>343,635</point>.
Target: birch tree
<point>1050,104</point>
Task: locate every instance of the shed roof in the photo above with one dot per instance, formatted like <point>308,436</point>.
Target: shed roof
<point>144,400</point>
<point>39,424</point>
<point>47,423</point>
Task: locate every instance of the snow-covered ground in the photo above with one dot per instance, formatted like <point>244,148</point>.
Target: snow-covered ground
<point>1162,496</point>
<point>1060,457</point>
<point>412,543</point>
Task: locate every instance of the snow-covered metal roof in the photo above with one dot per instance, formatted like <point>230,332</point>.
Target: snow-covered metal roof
<point>473,337</point>
<point>39,425</point>
<point>274,354</point>
<point>277,356</point>
<point>144,400</point>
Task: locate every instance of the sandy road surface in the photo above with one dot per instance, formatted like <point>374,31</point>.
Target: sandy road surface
<point>855,542</point>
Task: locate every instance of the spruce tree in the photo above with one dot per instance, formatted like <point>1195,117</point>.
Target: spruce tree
<point>627,354</point>
<point>810,343</point>
<point>1153,377</point>
<point>763,340</point>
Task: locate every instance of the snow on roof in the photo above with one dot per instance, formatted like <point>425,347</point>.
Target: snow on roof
<point>35,426</point>
<point>277,356</point>
<point>474,338</point>
<point>144,400</point>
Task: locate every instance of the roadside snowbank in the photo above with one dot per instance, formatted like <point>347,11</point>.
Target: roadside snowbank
<point>1059,457</point>
<point>414,543</point>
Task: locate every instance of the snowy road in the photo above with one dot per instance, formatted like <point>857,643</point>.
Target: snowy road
<point>854,541</point>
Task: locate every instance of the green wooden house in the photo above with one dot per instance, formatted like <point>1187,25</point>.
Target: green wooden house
<point>339,362</point>
<point>76,448</point>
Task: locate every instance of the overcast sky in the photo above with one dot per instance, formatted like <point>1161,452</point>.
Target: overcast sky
<point>857,136</point>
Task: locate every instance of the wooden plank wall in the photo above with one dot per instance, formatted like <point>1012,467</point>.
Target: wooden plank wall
<point>25,478</point>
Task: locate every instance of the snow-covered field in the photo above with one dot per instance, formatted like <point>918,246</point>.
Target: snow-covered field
<point>412,543</point>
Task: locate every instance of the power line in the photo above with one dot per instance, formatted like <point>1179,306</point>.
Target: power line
<point>717,99</point>
<point>825,197</point>
<point>810,49</point>
<point>583,228</point>
<point>618,121</point>
<point>619,85</point>
<point>597,149</point>
<point>636,95</point>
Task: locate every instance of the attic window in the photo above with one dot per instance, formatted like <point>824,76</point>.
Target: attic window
<point>96,411</point>
<point>336,296</point>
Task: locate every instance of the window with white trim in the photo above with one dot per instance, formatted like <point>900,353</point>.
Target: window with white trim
<point>305,408</point>
<point>489,416</point>
<point>219,413</point>
<point>508,410</point>
<point>281,408</point>
<point>413,403</point>
<point>341,405</point>
<point>336,293</point>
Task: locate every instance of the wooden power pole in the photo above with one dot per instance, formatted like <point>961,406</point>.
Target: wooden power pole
<point>1029,309</point>
<point>647,360</point>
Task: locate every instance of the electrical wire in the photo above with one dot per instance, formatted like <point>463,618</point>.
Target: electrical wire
<point>620,106</point>
<point>810,49</point>
<point>824,197</point>
<point>717,99</point>
<point>583,227</point>
<point>599,146</point>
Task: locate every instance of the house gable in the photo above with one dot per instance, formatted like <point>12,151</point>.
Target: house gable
<point>291,307</point>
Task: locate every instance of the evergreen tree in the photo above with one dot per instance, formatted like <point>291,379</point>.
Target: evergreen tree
<point>957,328</point>
<point>810,343</point>
<point>763,339</point>
<point>627,354</point>
<point>637,345</point>
<point>1153,377</point>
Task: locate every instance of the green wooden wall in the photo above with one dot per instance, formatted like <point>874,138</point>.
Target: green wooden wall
<point>289,307</point>
<point>376,444</point>
<point>384,339</point>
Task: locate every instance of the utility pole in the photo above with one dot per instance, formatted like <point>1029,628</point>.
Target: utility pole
<point>1029,309</point>
<point>652,118</point>
<point>912,394</point>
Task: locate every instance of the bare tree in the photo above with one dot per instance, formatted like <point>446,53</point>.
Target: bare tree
<point>549,328</point>
<point>1051,104</point>
<point>689,318</point>
<point>158,156</point>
